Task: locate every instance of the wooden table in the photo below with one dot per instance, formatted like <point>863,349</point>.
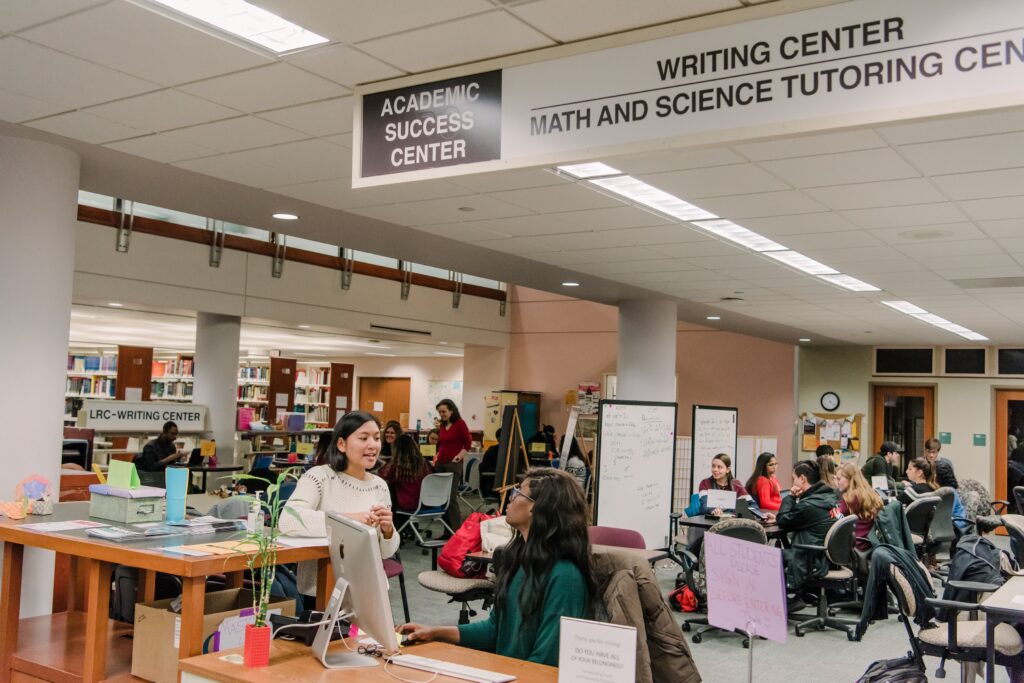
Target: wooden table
<point>82,613</point>
<point>290,661</point>
<point>1000,608</point>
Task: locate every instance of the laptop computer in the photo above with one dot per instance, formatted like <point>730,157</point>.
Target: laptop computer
<point>195,458</point>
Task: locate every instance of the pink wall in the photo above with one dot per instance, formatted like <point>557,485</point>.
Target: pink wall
<point>557,341</point>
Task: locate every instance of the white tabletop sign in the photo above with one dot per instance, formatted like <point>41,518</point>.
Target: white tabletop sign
<point>143,416</point>
<point>721,500</point>
<point>596,652</point>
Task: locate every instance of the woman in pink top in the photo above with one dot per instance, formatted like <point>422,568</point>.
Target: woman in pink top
<point>763,485</point>
<point>453,443</point>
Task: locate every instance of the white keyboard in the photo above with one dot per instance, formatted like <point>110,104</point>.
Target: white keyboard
<point>439,666</point>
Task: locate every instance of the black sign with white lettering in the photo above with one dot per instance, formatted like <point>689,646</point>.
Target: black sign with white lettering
<point>445,123</point>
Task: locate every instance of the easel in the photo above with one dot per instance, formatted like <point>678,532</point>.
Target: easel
<point>511,440</point>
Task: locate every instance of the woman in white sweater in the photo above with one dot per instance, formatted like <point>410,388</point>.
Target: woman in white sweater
<point>344,486</point>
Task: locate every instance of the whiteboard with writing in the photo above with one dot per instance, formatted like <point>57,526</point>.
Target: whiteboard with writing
<point>714,432</point>
<point>636,448</point>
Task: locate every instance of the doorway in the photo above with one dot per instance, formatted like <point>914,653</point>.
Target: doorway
<point>386,398</point>
<point>905,415</point>
<point>1009,438</point>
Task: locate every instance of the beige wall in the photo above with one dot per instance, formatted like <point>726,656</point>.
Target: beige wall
<point>484,369</point>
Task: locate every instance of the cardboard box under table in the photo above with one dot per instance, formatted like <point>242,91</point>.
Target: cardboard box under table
<point>225,613</point>
<point>142,504</point>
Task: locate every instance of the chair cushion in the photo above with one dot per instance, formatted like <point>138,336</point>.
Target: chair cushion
<point>392,568</point>
<point>840,574</point>
<point>438,581</point>
<point>972,634</point>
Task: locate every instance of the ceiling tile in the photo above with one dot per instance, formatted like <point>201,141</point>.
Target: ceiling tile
<point>779,226</point>
<point>345,65</point>
<point>525,226</point>
<point>974,270</point>
<point>482,36</point>
<point>19,14</point>
<point>303,161</point>
<point>322,192</point>
<point>738,259</point>
<point>230,167</point>
<point>966,155</point>
<point>339,194</point>
<point>1003,228</point>
<point>761,204</point>
<point>716,181</point>
<point>81,126</point>
<point>902,216</point>
<point>558,198</point>
<point>845,239</point>
<point>944,264</point>
<point>927,251</point>
<point>982,184</point>
<point>648,265</point>
<point>516,245</point>
<point>872,195</point>
<point>837,257</point>
<point>460,231</point>
<point>699,250</point>
<point>160,148</point>
<point>236,134</point>
<point>162,110</point>
<point>944,232</point>
<point>811,145</point>
<point>560,258</point>
<point>620,254</point>
<point>675,233</point>
<point>951,127</point>
<point>329,117</point>
<point>136,41</point>
<point>17,108</point>
<point>842,167</point>
<point>569,20</point>
<point>268,87</point>
<point>676,160</point>
<point>613,218</point>
<point>342,139</point>
<point>47,75</point>
<point>994,209</point>
<point>445,210</point>
<point>519,179</point>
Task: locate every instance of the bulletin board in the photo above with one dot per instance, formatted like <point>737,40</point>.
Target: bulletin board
<point>438,389</point>
<point>842,431</point>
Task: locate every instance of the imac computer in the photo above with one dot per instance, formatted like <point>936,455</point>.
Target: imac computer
<point>360,592</point>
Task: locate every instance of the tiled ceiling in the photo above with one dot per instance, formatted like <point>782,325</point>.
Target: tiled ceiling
<point>908,207</point>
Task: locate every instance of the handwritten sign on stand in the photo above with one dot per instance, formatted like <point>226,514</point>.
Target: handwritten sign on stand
<point>591,651</point>
<point>746,587</point>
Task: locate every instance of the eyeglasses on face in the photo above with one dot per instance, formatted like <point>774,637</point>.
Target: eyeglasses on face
<point>515,493</point>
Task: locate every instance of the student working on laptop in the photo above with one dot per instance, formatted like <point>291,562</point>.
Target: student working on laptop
<point>721,479</point>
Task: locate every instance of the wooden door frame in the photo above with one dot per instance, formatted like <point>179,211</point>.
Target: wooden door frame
<point>1001,396</point>
<point>901,389</point>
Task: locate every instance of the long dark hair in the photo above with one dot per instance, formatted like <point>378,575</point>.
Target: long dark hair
<point>558,531</point>
<point>450,404</point>
<point>760,470</point>
<point>406,461</point>
<point>927,470</point>
<point>323,446</point>
<point>345,428</point>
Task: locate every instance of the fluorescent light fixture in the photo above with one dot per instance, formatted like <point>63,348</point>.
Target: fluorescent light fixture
<point>286,217</point>
<point>443,343</point>
<point>714,317</point>
<point>248,22</point>
<point>647,195</point>
<point>795,259</point>
<point>304,327</point>
<point>445,353</point>
<point>739,235</point>
<point>595,169</point>
<point>115,304</point>
<point>570,284</point>
<point>805,339</point>
<point>935,320</point>
<point>310,355</point>
<point>385,355</point>
<point>850,283</point>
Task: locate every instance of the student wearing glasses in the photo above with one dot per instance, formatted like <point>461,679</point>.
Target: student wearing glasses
<point>543,574</point>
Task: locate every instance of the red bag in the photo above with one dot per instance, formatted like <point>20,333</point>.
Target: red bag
<point>466,540</point>
<point>682,599</point>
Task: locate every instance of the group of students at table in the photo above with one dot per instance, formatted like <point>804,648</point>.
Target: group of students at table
<point>824,491</point>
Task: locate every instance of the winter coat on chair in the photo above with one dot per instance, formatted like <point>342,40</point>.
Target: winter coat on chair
<point>891,527</point>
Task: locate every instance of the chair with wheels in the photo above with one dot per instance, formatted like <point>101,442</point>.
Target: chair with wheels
<point>434,495</point>
<point>392,568</point>
<point>942,533</point>
<point>919,516</point>
<point>472,486</point>
<point>838,550</point>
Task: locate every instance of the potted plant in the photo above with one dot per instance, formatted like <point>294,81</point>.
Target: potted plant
<point>260,545</point>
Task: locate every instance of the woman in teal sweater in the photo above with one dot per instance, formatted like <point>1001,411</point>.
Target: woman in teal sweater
<point>543,574</point>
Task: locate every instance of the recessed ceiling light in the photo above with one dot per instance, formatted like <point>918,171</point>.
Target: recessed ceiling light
<point>443,343</point>
<point>805,339</point>
<point>570,284</point>
<point>739,235</point>
<point>932,319</point>
<point>647,195</point>
<point>850,283</point>
<point>248,22</point>
<point>286,216</point>
<point>714,317</point>
<point>386,355</point>
<point>304,327</point>
<point>115,304</point>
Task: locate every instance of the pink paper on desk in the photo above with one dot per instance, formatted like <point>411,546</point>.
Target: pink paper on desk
<point>746,586</point>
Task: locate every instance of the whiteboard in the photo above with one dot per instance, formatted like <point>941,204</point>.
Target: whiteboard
<point>714,432</point>
<point>636,448</point>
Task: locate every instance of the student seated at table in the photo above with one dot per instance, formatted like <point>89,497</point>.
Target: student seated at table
<point>161,451</point>
<point>883,464</point>
<point>392,430</point>
<point>543,574</point>
<point>721,479</point>
<point>921,481</point>
<point>405,473</point>
<point>806,514</point>
<point>345,486</point>
<point>826,458</point>
<point>763,485</point>
<point>859,499</point>
<point>433,436</point>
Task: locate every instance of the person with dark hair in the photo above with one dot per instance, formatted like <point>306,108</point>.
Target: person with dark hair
<point>721,479</point>
<point>944,474</point>
<point>763,485</point>
<point>454,441</point>
<point>883,464</point>
<point>827,467</point>
<point>806,514</point>
<point>405,473</point>
<point>543,574</point>
<point>824,449</point>
<point>323,445</point>
<point>342,485</point>
<point>921,476</point>
<point>545,436</point>
<point>161,451</point>
<point>392,430</point>
<point>433,436</point>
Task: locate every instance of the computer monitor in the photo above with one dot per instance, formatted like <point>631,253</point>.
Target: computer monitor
<point>360,592</point>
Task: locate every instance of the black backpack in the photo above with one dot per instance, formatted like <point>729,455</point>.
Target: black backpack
<point>903,670</point>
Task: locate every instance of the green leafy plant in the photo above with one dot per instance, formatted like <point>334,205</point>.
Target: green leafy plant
<point>265,539</point>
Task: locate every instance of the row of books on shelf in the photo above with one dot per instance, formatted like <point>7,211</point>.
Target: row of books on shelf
<point>178,367</point>
<point>312,376</point>
<point>318,414</point>
<point>252,392</point>
<point>254,373</point>
<point>170,390</point>
<point>102,363</point>
<point>303,395</point>
<point>90,386</point>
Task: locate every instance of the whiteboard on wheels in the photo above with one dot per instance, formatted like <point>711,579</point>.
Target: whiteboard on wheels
<point>714,432</point>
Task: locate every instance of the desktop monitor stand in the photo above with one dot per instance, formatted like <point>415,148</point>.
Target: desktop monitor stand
<point>337,660</point>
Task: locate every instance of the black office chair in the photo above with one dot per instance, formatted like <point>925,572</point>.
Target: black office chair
<point>838,550</point>
<point>942,534</point>
<point>1018,499</point>
<point>919,517</point>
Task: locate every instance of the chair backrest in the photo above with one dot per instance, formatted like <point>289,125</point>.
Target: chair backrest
<point>622,538</point>
<point>941,528</point>
<point>743,529</point>
<point>919,514</point>
<point>840,540</point>
<point>473,473</point>
<point>436,490</point>
<point>1018,499</point>
<point>904,594</point>
<point>1014,525</point>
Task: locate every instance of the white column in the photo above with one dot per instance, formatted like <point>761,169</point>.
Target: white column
<point>38,212</point>
<point>216,373</point>
<point>484,369</point>
<point>647,350</point>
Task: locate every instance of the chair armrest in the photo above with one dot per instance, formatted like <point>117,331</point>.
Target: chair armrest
<point>690,558</point>
<point>675,515</point>
<point>952,604</point>
<point>973,586</point>
<point>1004,504</point>
<point>804,546</point>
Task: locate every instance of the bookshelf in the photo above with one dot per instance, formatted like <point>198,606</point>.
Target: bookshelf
<point>312,392</point>
<point>90,375</point>
<point>134,368</point>
<point>173,379</point>
<point>253,388</point>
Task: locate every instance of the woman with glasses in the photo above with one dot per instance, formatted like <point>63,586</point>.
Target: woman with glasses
<point>543,574</point>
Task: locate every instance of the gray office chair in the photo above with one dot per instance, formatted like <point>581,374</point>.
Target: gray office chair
<point>838,550</point>
<point>434,495</point>
<point>919,516</point>
<point>942,532</point>
<point>1018,499</point>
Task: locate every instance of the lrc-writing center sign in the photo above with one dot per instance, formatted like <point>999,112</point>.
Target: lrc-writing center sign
<point>852,63</point>
<point>144,416</point>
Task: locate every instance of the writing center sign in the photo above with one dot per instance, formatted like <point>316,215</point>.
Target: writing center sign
<point>854,63</point>
<point>142,416</point>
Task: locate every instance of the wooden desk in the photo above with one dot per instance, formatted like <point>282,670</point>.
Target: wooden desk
<point>1000,608</point>
<point>291,661</point>
<point>90,563</point>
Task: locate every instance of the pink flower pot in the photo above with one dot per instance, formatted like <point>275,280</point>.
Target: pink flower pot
<point>257,646</point>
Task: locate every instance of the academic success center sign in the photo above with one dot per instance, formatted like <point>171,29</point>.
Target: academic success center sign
<point>849,64</point>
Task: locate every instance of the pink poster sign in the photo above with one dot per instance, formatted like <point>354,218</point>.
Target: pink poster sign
<point>746,586</point>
